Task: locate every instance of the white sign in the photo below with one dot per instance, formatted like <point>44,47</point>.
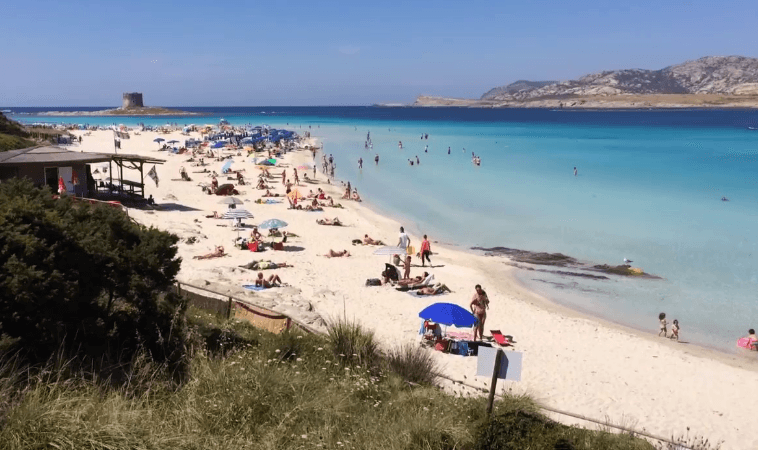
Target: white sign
<point>510,363</point>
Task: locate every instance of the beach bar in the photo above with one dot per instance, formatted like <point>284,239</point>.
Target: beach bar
<point>46,165</point>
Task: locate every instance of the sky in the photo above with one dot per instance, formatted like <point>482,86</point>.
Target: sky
<point>287,53</point>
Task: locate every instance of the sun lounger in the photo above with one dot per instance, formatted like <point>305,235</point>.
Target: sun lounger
<point>499,338</point>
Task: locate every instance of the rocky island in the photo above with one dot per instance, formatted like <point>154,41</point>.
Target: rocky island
<point>709,82</point>
<point>132,105</point>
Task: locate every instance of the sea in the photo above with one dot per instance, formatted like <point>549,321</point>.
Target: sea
<point>649,186</point>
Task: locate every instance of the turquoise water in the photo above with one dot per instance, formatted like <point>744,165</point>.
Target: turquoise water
<point>648,188</point>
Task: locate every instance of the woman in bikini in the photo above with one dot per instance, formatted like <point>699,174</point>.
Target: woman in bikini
<point>217,253</point>
<point>479,305</point>
<point>333,254</point>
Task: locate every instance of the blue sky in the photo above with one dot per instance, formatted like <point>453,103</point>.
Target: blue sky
<point>240,53</point>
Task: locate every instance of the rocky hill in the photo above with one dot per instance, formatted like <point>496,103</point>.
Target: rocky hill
<point>723,75</point>
<point>520,85</point>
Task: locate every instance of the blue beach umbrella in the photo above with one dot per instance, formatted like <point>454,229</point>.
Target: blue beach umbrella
<point>448,314</point>
<point>227,165</point>
<point>272,223</point>
<point>265,163</point>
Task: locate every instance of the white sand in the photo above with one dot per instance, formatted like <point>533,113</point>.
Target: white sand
<point>571,362</point>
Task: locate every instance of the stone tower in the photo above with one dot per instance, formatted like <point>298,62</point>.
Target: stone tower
<point>132,100</point>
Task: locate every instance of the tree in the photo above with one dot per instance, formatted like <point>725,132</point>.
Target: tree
<point>86,278</point>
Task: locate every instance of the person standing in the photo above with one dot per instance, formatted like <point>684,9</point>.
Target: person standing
<point>284,177</point>
<point>575,171</point>
<point>403,241</point>
<point>426,250</point>
<point>376,159</point>
<point>360,163</point>
<point>297,179</point>
<point>480,303</point>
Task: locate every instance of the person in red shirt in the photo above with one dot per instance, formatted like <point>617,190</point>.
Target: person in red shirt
<point>426,250</point>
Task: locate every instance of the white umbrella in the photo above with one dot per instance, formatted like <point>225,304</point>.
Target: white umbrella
<point>389,250</point>
<point>237,213</point>
<point>231,201</point>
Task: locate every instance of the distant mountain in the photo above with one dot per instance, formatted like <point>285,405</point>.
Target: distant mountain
<point>724,75</point>
<point>520,85</point>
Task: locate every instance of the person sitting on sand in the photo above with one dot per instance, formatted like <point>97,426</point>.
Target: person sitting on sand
<point>183,174</point>
<point>752,339</point>
<point>336,222</point>
<point>356,197</point>
<point>437,289</point>
<point>272,281</point>
<point>341,253</point>
<point>255,234</point>
<point>321,195</point>
<point>262,185</point>
<point>217,253</point>
<point>240,178</point>
<point>346,195</point>
<point>368,241</point>
<point>311,194</point>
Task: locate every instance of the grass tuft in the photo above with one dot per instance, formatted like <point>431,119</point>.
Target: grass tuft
<point>352,344</point>
<point>413,363</point>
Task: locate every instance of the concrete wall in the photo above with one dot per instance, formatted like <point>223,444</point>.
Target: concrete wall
<point>132,100</point>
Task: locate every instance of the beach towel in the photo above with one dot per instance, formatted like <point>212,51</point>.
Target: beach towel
<point>414,293</point>
<point>745,343</point>
<point>252,287</point>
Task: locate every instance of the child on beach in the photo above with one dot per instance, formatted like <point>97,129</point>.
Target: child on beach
<point>663,323</point>
<point>675,330</point>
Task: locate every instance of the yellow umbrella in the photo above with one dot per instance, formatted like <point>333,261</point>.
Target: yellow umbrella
<point>295,195</point>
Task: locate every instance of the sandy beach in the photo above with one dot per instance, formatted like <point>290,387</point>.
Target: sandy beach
<point>572,361</point>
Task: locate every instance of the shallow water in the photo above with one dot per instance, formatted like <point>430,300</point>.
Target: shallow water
<point>648,188</point>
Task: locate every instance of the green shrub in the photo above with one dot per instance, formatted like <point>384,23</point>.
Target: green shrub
<point>413,363</point>
<point>352,344</point>
<point>85,282</point>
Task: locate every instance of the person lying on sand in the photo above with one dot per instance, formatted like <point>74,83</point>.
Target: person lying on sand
<point>368,241</point>
<point>269,194</point>
<point>215,215</point>
<point>336,222</point>
<point>272,281</point>
<point>341,253</point>
<point>265,265</point>
<point>437,289</point>
<point>412,281</point>
<point>219,252</point>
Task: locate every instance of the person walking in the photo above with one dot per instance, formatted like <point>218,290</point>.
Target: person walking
<point>360,163</point>
<point>426,250</point>
<point>403,240</point>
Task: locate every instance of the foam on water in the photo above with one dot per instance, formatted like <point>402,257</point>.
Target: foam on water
<point>648,189</point>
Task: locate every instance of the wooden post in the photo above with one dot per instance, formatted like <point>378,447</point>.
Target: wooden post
<point>179,288</point>
<point>229,310</point>
<point>493,384</point>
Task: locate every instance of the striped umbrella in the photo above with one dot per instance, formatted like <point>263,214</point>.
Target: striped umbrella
<point>237,213</point>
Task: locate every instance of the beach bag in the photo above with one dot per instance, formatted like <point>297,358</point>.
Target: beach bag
<point>253,246</point>
<point>373,282</point>
<point>410,250</point>
<point>462,348</point>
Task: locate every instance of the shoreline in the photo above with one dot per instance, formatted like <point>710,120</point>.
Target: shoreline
<point>572,361</point>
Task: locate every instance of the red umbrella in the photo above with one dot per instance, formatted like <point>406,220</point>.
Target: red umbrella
<point>61,185</point>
